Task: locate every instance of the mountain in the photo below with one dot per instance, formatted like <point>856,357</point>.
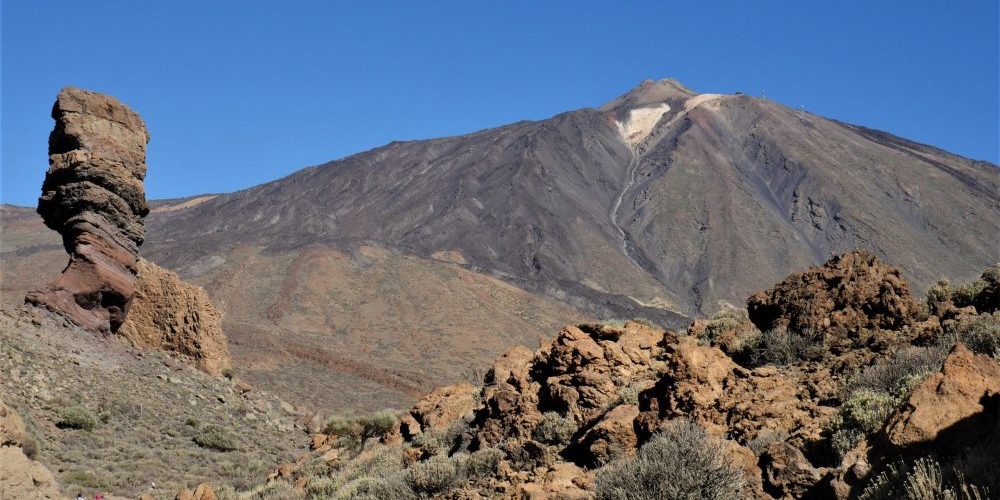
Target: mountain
<point>368,280</point>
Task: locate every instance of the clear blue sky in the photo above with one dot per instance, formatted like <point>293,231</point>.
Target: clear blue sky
<point>236,93</point>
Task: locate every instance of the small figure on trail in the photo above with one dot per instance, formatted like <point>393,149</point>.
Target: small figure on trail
<point>79,496</point>
<point>98,496</point>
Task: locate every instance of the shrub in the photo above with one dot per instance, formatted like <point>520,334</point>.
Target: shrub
<point>681,462</point>
<point>902,372</point>
<point>377,424</point>
<point>30,447</point>
<point>375,488</point>
<point>77,417</point>
<point>923,482</point>
<point>340,425</point>
<point>779,346</point>
<point>436,442</point>
<point>981,334</point>
<point>482,463</point>
<point>555,429</point>
<point>628,394</point>
<point>863,413</point>
<point>432,477</point>
<point>216,438</point>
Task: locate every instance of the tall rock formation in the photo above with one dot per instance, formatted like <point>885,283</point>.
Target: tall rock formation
<point>93,196</point>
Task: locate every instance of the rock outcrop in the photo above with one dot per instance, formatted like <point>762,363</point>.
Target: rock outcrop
<point>170,315</point>
<point>93,196</point>
<point>20,476</point>
<point>952,402</point>
<point>848,294</point>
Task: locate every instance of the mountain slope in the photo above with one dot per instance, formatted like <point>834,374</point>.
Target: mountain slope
<point>568,205</point>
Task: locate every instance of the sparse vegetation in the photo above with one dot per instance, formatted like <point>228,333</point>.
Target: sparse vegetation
<point>433,476</point>
<point>981,334</point>
<point>555,429</point>
<point>779,347</point>
<point>77,417</point>
<point>923,481</point>
<point>481,463</point>
<point>682,462</point>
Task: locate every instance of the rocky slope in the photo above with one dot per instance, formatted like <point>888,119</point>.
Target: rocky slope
<point>730,411</point>
<point>106,417</point>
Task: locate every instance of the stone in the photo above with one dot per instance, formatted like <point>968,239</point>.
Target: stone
<point>93,195</point>
<point>848,294</point>
<point>173,316</point>
<point>12,431</point>
<point>967,388</point>
<point>21,477</point>
<point>612,437</point>
<point>441,407</point>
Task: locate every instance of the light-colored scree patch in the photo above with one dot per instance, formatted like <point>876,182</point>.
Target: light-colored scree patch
<point>640,123</point>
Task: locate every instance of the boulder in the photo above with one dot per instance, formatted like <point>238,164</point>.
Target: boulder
<point>612,437</point>
<point>840,299</point>
<point>21,477</point>
<point>960,402</point>
<point>443,406</point>
<point>170,315</point>
<point>93,195</point>
<point>12,432</point>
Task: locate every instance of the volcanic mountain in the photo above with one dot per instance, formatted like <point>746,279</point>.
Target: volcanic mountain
<point>368,280</point>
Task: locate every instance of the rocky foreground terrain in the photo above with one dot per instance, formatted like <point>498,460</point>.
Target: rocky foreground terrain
<point>878,395</point>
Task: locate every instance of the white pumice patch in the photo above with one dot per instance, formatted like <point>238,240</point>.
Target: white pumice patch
<point>640,123</point>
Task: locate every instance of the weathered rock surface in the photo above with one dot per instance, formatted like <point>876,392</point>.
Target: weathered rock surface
<point>170,315</point>
<point>203,491</point>
<point>93,196</point>
<point>20,476</point>
<point>440,408</point>
<point>967,388</point>
<point>847,294</point>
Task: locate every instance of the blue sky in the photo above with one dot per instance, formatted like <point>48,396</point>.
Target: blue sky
<point>236,93</point>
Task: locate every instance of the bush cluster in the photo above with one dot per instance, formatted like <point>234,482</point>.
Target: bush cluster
<point>216,438</point>
<point>77,417</point>
<point>554,429</point>
<point>779,346</point>
<point>681,462</point>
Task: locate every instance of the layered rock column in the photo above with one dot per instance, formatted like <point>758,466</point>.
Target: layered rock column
<point>93,195</point>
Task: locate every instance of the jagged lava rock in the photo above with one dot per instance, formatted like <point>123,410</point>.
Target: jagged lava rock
<point>847,294</point>
<point>93,196</point>
<point>170,315</point>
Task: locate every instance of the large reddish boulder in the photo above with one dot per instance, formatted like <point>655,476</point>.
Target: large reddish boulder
<point>93,196</point>
<point>961,401</point>
<point>842,298</point>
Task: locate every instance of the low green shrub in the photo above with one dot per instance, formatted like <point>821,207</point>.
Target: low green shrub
<point>216,438</point>
<point>434,476</point>
<point>377,424</point>
<point>554,429</point>
<point>779,347</point>
<point>981,334</point>
<point>482,463</point>
<point>681,462</point>
<point>77,417</point>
